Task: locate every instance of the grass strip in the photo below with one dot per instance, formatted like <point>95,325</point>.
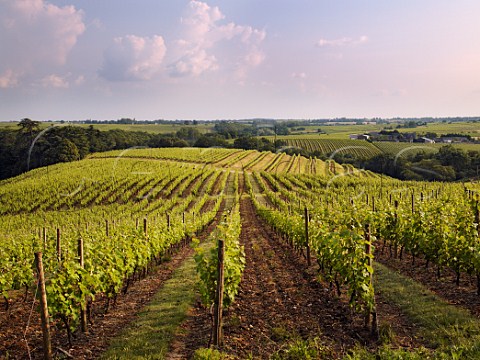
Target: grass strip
<point>442,324</point>
<point>150,335</point>
<point>452,331</point>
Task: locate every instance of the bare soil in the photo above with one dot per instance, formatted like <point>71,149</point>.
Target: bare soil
<point>281,299</point>
<point>20,326</point>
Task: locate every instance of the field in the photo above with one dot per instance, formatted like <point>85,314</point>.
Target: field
<point>363,149</point>
<point>321,261</point>
<point>149,128</point>
<point>343,131</point>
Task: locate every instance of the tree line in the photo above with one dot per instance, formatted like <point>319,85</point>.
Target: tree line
<point>448,164</point>
<point>29,146</point>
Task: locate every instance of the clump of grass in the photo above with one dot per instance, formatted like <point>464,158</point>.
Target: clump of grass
<point>210,354</point>
<point>388,353</point>
<point>280,334</point>
<point>386,334</point>
<point>300,349</point>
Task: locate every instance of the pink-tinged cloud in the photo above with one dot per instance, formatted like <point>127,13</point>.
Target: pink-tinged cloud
<point>133,58</point>
<point>344,41</point>
<point>36,36</point>
<point>8,79</point>
<point>196,52</point>
<point>194,62</point>
<point>54,81</point>
<point>300,75</point>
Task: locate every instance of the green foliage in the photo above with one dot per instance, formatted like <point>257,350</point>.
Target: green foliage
<point>210,354</point>
<point>388,353</point>
<point>300,349</point>
<point>115,191</point>
<point>337,238</point>
<point>234,261</point>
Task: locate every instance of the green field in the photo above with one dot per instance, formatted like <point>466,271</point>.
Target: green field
<point>407,149</point>
<point>361,148</point>
<point>343,131</point>
<point>149,128</point>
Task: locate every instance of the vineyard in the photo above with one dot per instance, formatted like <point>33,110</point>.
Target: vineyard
<point>408,149</point>
<point>331,147</point>
<point>308,248</point>
<point>363,149</point>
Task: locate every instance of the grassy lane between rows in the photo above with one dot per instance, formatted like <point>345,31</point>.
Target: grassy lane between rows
<point>149,337</point>
<point>453,332</point>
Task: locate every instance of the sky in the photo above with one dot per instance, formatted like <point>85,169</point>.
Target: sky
<point>238,59</point>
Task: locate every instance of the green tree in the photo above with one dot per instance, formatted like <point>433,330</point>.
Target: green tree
<point>454,157</point>
<point>60,150</point>
<point>28,126</point>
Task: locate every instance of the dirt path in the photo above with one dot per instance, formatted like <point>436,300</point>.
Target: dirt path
<point>278,300</point>
<point>13,323</point>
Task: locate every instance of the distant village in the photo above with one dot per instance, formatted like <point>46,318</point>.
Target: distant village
<point>412,137</point>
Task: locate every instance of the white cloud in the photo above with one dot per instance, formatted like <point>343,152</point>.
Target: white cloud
<point>194,63</point>
<point>203,34</point>
<point>54,81</point>
<point>255,57</point>
<point>36,37</point>
<point>80,80</point>
<point>300,75</point>
<point>8,79</point>
<point>344,41</point>
<point>133,58</point>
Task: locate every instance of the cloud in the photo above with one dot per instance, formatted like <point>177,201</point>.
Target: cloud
<point>36,38</point>
<point>255,57</point>
<point>194,62</point>
<point>204,36</point>
<point>80,80</point>
<point>8,79</point>
<point>133,58</point>
<point>345,41</point>
<point>300,75</point>
<point>54,81</point>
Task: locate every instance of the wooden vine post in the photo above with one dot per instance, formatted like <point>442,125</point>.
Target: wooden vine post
<point>477,221</point>
<point>44,238</point>
<point>83,310</point>
<point>184,224</point>
<point>477,215</point>
<point>413,202</point>
<point>217,316</point>
<point>47,344</point>
<point>307,242</point>
<point>371,313</point>
<point>145,232</point>
<point>59,247</point>
<point>396,224</point>
<point>106,227</point>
